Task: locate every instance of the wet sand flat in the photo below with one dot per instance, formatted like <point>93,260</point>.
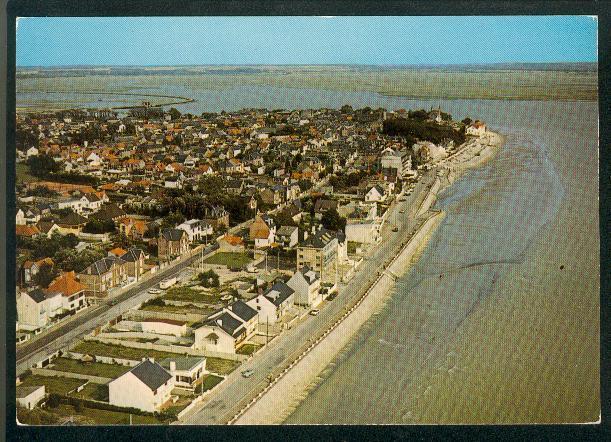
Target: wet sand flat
<point>487,327</point>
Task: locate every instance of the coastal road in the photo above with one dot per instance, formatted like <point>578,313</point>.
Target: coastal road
<point>84,322</point>
<point>236,390</point>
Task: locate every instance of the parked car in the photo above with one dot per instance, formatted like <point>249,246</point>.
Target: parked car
<point>248,373</point>
<point>395,229</point>
<point>314,312</point>
<point>154,291</point>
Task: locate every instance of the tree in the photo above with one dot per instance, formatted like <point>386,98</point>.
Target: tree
<point>45,276</point>
<point>99,226</point>
<point>172,220</point>
<point>174,113</point>
<point>467,121</point>
<point>332,220</point>
<point>209,279</point>
<point>41,166</point>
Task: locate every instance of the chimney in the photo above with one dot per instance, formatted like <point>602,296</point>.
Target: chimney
<point>152,359</point>
<point>172,366</point>
<point>143,359</point>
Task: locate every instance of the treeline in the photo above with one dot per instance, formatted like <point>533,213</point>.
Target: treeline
<point>46,168</point>
<point>413,130</point>
<point>191,204</point>
<point>61,249</point>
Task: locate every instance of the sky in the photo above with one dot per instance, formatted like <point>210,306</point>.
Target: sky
<point>154,41</point>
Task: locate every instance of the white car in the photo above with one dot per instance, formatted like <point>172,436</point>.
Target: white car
<point>248,373</point>
<point>154,291</point>
<point>314,312</point>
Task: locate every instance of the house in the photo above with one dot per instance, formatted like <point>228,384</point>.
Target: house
<point>133,228</point>
<point>195,229</point>
<point>134,262</point>
<point>72,291</point>
<point>71,223</point>
<point>29,396</point>
<point>20,218</point>
<point>32,310</point>
<point>320,253</point>
<point>216,216</point>
<point>146,387</point>
<point>48,228</point>
<point>231,243</point>
<point>227,328</point>
<point>322,205</point>
<point>287,236</point>
<point>117,252</point>
<point>306,284</point>
<point>31,152</point>
<point>477,128</point>
<point>27,231</point>
<point>109,211</point>
<point>29,269</point>
<point>262,231</point>
<point>103,275</point>
<point>273,303</point>
<point>187,370</point>
<point>172,243</point>
<point>399,161</point>
<point>375,194</point>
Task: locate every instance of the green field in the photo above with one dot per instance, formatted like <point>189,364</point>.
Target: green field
<point>209,381</point>
<point>93,391</point>
<point>187,294</point>
<point>248,349</point>
<point>96,416</point>
<point>221,366</point>
<point>95,368</point>
<point>119,352</point>
<point>229,259</point>
<point>53,384</point>
<point>23,174</point>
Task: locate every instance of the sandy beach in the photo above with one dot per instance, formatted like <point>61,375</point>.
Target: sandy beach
<point>279,399</point>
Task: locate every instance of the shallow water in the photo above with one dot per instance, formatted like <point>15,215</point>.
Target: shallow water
<point>486,327</point>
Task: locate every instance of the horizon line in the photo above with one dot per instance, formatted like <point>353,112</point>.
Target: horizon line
<point>309,64</point>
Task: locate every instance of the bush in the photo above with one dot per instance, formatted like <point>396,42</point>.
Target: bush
<point>54,400</point>
<point>209,279</point>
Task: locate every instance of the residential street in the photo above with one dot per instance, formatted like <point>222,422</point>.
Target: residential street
<point>236,391</point>
<point>71,330</point>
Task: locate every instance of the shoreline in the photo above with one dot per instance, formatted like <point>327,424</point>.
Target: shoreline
<point>277,401</point>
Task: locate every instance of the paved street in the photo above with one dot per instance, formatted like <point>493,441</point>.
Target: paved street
<point>70,331</point>
<point>236,391</point>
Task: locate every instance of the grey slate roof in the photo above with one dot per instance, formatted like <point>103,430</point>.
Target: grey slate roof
<point>319,239</point>
<point>103,265</point>
<point>286,230</point>
<point>37,295</point>
<point>132,255</point>
<point>182,362</point>
<point>243,310</point>
<point>226,322</point>
<point>151,374</point>
<point>278,293</point>
<point>172,234</point>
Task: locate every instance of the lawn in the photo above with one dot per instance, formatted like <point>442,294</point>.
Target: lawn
<point>229,259</point>
<point>185,294</point>
<point>93,391</point>
<point>209,381</point>
<point>96,416</point>
<point>120,352</point>
<point>248,349</point>
<point>95,368</point>
<point>23,174</point>
<point>53,384</point>
<point>177,309</point>
<point>221,366</point>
